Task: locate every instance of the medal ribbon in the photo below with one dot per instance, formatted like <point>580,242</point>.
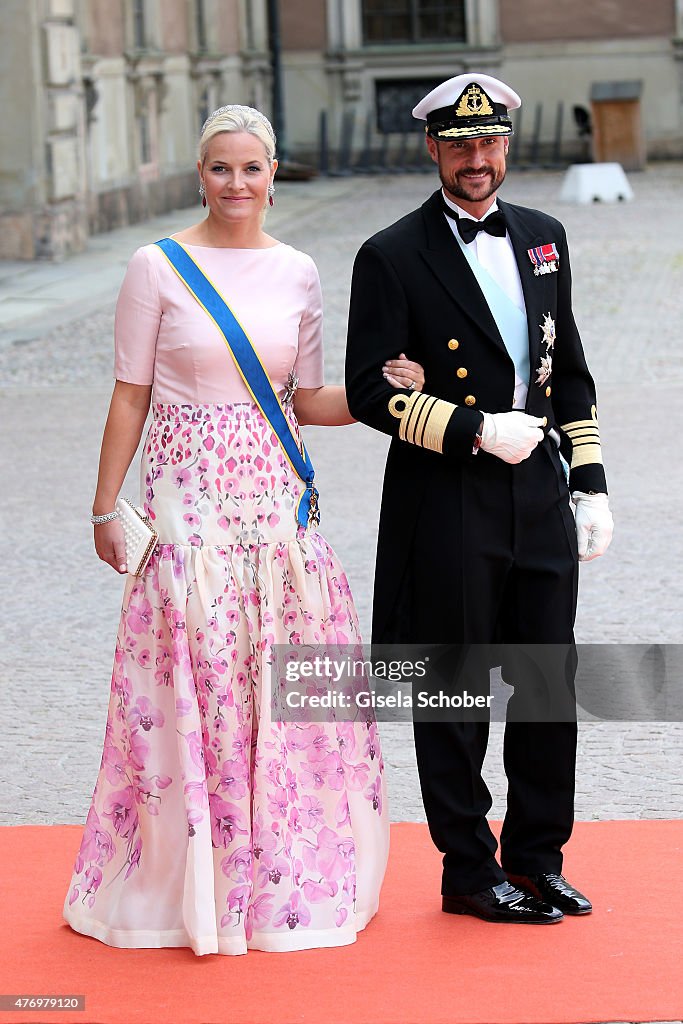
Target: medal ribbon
<point>543,254</point>
<point>251,370</point>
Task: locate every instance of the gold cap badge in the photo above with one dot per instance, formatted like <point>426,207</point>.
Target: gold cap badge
<point>473,102</point>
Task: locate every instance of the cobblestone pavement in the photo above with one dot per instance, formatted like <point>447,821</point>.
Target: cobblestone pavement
<point>61,605</point>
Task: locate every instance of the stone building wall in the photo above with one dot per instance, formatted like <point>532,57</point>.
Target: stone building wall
<point>42,171</point>
<point>527,21</point>
<point>100,126</point>
<point>555,53</point>
<point>551,52</point>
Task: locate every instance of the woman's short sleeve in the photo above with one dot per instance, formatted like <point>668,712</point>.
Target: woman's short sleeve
<point>309,361</point>
<point>136,323</point>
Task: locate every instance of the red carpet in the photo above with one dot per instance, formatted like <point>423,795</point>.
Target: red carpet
<point>413,964</point>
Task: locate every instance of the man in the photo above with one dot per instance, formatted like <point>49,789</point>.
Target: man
<point>477,541</point>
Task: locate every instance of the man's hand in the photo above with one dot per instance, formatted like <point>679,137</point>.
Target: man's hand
<point>594,524</point>
<point>512,436</point>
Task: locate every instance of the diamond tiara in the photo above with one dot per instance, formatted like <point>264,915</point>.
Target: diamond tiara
<point>239,106</point>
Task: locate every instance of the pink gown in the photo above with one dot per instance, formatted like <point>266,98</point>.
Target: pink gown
<point>211,825</point>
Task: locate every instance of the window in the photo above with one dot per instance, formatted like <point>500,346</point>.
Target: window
<point>395,99</point>
<point>139,28</point>
<point>413,21</point>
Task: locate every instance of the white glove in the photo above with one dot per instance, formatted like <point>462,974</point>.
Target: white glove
<point>512,436</point>
<point>594,524</point>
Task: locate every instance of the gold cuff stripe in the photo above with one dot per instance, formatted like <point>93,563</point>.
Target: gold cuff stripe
<point>585,455</point>
<point>579,423</point>
<point>411,418</point>
<point>591,435</point>
<point>423,419</point>
<point>585,438</point>
<point>575,431</point>
<point>417,418</point>
<point>408,410</point>
<point>435,427</point>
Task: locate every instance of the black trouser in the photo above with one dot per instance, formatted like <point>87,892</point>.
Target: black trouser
<point>507,571</point>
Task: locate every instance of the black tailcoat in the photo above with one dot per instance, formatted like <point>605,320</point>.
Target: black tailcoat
<point>413,291</point>
<point>472,550</point>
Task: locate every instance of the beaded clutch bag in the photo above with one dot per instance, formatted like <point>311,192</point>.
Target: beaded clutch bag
<point>140,536</point>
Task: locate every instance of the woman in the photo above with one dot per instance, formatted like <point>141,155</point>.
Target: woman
<point>211,826</point>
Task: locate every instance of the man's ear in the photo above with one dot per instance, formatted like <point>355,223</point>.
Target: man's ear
<point>506,143</point>
<point>433,147</point>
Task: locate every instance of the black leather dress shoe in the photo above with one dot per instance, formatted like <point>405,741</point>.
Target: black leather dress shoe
<point>503,903</point>
<point>554,889</point>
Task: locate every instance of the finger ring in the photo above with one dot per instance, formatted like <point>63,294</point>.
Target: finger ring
<point>411,385</point>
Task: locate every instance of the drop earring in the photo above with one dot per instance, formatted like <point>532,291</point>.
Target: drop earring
<point>271,194</point>
<point>202,192</point>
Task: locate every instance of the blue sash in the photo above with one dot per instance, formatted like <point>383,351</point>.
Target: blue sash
<point>510,320</point>
<point>251,370</point>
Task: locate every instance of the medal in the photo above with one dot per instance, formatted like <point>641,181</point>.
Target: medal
<point>546,368</point>
<point>545,258</point>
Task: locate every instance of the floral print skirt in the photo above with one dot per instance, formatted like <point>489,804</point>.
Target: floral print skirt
<point>211,825</point>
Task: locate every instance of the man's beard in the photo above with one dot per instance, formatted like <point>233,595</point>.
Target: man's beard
<point>456,185</point>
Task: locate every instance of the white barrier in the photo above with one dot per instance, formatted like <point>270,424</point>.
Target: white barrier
<point>592,183</point>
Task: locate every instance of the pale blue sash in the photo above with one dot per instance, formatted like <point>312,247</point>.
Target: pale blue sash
<point>510,320</point>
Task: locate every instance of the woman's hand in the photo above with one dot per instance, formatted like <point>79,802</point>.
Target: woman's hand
<point>110,544</point>
<point>403,373</point>
<point>327,406</point>
<point>122,433</point>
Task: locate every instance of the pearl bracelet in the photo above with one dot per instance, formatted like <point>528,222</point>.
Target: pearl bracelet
<point>96,520</point>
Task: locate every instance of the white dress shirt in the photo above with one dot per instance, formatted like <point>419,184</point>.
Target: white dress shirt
<point>497,257</point>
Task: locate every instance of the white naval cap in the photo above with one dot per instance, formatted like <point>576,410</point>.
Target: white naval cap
<point>468,106</point>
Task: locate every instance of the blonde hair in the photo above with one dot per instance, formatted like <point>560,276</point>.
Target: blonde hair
<point>237,118</point>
